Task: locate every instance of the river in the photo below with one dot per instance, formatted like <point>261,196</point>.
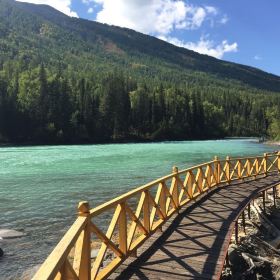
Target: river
<point>41,186</point>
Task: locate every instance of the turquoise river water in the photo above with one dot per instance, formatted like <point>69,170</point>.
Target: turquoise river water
<point>40,186</point>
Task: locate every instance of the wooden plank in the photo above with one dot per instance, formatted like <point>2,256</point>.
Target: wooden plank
<point>194,244</point>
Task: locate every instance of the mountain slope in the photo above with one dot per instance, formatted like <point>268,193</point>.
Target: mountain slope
<point>69,80</point>
<point>42,31</point>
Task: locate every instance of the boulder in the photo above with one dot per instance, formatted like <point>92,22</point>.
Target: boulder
<point>10,233</point>
<point>94,253</point>
<point>1,253</point>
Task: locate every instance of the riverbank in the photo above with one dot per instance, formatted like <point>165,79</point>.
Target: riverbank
<point>122,141</point>
<point>256,256</point>
<point>272,143</point>
<point>129,140</point>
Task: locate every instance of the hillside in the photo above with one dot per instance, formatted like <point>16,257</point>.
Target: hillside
<point>42,49</point>
<point>56,36</point>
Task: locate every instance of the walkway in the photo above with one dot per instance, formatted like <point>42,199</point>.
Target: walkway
<point>193,245</point>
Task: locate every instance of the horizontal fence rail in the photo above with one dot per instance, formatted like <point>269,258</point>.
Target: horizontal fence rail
<point>114,230</point>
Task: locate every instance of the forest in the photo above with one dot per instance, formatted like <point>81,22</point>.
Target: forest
<point>68,80</point>
<point>38,106</point>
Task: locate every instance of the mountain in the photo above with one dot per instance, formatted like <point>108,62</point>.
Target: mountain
<point>69,80</point>
<point>28,29</point>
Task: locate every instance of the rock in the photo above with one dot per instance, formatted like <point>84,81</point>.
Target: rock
<point>109,256</point>
<point>236,260</point>
<point>10,233</point>
<point>233,254</point>
<point>226,274</point>
<point>1,253</point>
<point>93,253</point>
<point>106,262</point>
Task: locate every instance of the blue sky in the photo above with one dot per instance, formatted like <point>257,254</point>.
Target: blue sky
<point>246,32</point>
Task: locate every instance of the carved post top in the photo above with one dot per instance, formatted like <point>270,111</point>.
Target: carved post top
<point>227,158</point>
<point>175,169</point>
<point>83,208</point>
<point>265,154</point>
<point>278,153</point>
<point>216,158</point>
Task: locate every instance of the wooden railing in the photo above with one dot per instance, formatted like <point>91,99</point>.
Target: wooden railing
<point>114,230</point>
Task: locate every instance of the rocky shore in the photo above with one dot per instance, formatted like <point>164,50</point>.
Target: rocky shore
<point>257,255</point>
<point>272,143</point>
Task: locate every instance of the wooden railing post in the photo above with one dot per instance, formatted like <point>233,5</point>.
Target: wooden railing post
<point>249,168</point>
<point>265,164</point>
<point>278,161</point>
<point>236,232</point>
<point>257,167</point>
<point>243,222</point>
<point>162,200</point>
<point>84,243</point>
<point>239,169</point>
<point>146,212</point>
<point>274,196</point>
<point>263,196</point>
<point>249,211</point>
<point>208,176</point>
<point>175,193</point>
<point>83,209</point>
<point>123,230</point>
<point>200,178</point>
<point>228,169</point>
<point>217,169</point>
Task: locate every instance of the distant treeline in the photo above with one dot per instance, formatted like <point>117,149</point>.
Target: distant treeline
<point>37,105</point>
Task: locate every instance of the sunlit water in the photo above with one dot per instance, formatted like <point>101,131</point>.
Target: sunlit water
<point>41,186</point>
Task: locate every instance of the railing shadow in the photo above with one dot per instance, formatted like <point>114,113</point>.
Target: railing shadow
<point>196,252</point>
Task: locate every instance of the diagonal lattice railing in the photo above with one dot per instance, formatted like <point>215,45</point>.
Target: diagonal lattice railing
<point>114,230</point>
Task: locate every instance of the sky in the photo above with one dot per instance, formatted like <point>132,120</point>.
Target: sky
<point>246,32</point>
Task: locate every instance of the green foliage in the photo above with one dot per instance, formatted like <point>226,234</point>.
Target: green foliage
<point>273,114</point>
<point>66,80</point>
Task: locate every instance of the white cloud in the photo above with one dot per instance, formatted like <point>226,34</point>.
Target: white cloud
<point>87,2</point>
<point>153,16</point>
<point>63,6</point>
<point>211,10</point>
<point>257,57</point>
<point>224,19</point>
<point>90,10</point>
<point>204,46</point>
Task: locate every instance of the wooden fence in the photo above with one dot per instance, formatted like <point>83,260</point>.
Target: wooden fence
<point>133,217</point>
